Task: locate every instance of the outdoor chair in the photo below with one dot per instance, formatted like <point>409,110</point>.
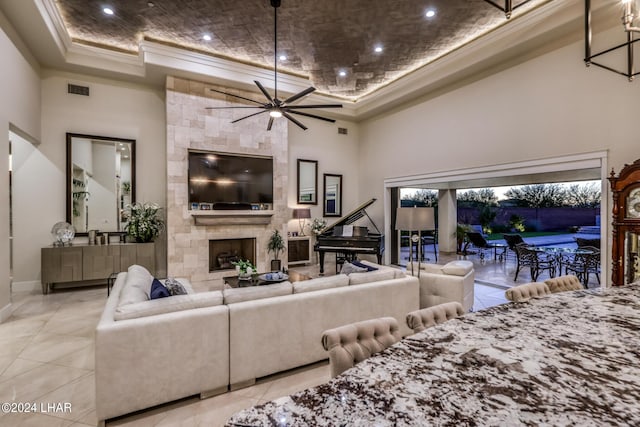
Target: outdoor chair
<point>513,240</point>
<point>480,243</point>
<point>582,242</point>
<point>583,264</point>
<point>536,261</point>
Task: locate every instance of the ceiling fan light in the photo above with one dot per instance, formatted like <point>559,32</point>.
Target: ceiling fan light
<point>276,114</point>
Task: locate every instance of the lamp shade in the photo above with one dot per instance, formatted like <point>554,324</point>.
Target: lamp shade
<point>302,213</point>
<point>415,219</point>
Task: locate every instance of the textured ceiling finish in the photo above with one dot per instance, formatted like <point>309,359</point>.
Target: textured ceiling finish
<point>319,37</point>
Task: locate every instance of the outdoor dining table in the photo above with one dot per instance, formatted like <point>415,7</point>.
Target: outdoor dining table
<point>565,359</point>
<point>562,255</point>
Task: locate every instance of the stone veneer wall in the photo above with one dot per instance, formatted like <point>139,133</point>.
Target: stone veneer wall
<point>191,126</point>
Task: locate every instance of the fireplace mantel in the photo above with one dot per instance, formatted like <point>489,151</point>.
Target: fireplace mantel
<point>232,217</point>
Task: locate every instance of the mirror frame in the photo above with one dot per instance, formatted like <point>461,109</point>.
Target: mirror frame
<point>338,196</point>
<point>314,201</point>
<point>69,173</point>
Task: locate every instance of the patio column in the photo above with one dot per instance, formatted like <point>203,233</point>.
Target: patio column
<point>447,220</point>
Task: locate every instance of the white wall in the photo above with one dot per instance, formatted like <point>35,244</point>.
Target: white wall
<point>335,153</point>
<point>20,108</point>
<point>114,108</point>
<point>549,106</point>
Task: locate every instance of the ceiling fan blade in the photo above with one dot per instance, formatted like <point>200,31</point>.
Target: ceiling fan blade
<point>226,108</point>
<point>299,95</point>
<point>315,106</point>
<point>250,115</point>
<point>293,119</point>
<point>237,96</point>
<point>264,92</point>
<point>313,116</point>
<point>270,123</point>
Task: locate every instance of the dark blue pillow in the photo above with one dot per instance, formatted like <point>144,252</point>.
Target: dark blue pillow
<point>361,265</point>
<point>158,290</point>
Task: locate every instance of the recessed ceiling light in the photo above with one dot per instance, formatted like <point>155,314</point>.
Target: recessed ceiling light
<point>430,13</point>
<point>107,11</point>
<point>206,37</point>
<point>377,49</point>
<point>282,57</point>
<point>342,73</point>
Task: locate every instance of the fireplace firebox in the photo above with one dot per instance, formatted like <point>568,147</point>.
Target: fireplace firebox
<point>224,252</point>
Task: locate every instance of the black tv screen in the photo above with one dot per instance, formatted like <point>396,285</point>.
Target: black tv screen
<point>227,179</point>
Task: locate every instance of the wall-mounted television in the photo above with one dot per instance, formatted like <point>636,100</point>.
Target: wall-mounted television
<point>228,181</point>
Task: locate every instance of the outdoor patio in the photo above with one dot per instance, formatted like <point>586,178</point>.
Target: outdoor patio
<point>500,273</point>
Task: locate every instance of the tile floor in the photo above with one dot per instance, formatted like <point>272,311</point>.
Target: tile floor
<point>47,356</point>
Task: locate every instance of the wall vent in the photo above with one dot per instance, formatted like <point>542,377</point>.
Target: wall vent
<point>78,90</point>
<point>342,131</point>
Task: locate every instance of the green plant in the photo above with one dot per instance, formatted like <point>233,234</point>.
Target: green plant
<point>243,265</point>
<point>461,237</point>
<point>318,225</point>
<point>144,223</point>
<point>275,244</point>
<point>126,187</point>
<point>517,222</point>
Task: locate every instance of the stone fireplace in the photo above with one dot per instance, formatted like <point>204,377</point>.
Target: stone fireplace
<point>190,126</point>
<point>223,252</point>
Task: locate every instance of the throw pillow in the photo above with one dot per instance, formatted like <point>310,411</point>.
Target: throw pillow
<point>158,290</point>
<point>361,265</point>
<point>348,268</point>
<point>174,287</point>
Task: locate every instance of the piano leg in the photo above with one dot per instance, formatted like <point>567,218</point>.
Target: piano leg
<point>379,256</point>
<point>321,262</point>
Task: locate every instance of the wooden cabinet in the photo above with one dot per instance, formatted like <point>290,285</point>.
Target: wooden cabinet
<point>91,262</point>
<point>625,250</point>
<point>299,251</point>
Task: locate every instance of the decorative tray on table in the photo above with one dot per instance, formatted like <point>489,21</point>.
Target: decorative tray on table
<point>273,277</point>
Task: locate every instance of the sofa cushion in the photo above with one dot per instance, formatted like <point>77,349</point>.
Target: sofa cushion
<point>168,305</point>
<point>158,290</point>
<point>458,268</point>
<point>321,283</point>
<point>348,268</point>
<point>372,276</point>
<point>233,295</point>
<point>137,286</point>
<point>175,287</point>
<point>426,267</point>
<point>396,271</point>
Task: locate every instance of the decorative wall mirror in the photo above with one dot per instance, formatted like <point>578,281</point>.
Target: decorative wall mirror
<point>332,185</point>
<point>100,182</point>
<point>307,182</point>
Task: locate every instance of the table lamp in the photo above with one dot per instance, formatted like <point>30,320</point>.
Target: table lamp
<point>301,215</point>
<point>412,219</point>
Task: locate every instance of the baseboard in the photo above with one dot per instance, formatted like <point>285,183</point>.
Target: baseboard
<point>5,312</point>
<point>28,286</point>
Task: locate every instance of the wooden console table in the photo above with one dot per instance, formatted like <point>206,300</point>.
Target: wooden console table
<point>80,263</point>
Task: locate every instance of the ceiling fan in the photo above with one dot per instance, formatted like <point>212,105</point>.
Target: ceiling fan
<point>274,106</point>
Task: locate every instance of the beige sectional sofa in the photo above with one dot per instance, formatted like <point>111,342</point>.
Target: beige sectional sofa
<point>154,351</point>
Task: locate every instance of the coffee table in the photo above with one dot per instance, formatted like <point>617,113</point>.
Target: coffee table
<point>235,282</point>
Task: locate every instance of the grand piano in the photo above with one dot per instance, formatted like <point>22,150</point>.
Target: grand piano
<point>346,241</point>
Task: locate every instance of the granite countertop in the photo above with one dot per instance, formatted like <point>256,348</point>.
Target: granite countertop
<point>567,359</point>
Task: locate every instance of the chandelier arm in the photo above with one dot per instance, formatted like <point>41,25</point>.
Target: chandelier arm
<point>299,95</point>
<point>250,115</point>
<point>313,116</point>
<point>238,96</point>
<point>296,107</point>
<point>293,119</point>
